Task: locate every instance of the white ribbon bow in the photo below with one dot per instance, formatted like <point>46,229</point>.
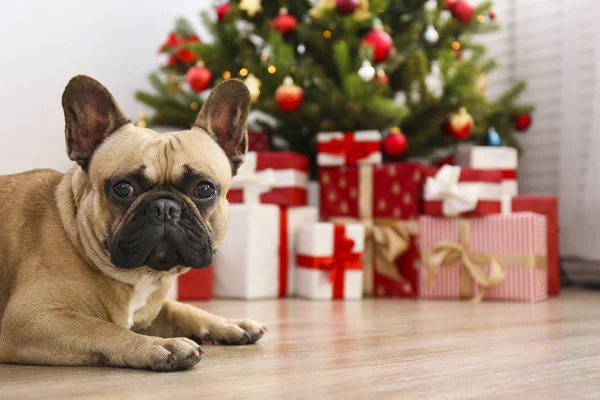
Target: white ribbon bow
<point>444,186</point>
<point>253,182</point>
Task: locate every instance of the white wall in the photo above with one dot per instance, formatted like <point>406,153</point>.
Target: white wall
<point>45,43</point>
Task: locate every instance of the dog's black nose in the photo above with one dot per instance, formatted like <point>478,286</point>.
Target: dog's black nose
<point>164,209</point>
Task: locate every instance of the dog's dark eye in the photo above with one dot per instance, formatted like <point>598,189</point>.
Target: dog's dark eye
<point>204,190</point>
<point>123,189</point>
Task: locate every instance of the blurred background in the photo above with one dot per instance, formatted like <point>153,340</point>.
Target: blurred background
<point>550,44</point>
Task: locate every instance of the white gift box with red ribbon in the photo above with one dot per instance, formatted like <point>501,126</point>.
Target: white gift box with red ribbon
<point>256,259</point>
<point>502,158</point>
<point>349,148</point>
<point>329,261</point>
<point>271,178</point>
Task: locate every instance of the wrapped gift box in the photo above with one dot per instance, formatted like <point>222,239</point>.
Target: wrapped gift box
<point>547,206</point>
<point>349,148</point>
<point>196,284</point>
<point>256,259</point>
<point>453,191</point>
<point>258,141</point>
<point>329,260</point>
<point>497,257</point>
<point>271,178</point>
<point>291,219</point>
<point>504,159</point>
<point>386,199</point>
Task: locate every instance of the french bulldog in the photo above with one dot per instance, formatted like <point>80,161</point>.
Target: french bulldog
<point>87,257</point>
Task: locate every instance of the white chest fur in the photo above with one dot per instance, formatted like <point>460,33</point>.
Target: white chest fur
<point>141,291</point>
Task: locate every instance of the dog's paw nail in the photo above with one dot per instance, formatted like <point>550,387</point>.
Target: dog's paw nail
<point>248,337</point>
<point>200,351</point>
<point>263,330</point>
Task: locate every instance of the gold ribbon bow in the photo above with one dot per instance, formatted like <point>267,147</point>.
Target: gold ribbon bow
<point>386,239</point>
<point>472,264</point>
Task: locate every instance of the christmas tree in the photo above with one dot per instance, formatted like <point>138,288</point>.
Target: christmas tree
<point>345,65</point>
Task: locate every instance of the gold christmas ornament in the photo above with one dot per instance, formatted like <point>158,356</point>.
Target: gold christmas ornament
<point>251,7</point>
<point>142,121</point>
<point>253,85</point>
<point>481,83</point>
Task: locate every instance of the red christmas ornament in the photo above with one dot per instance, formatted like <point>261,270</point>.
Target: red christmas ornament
<point>460,124</point>
<point>395,143</point>
<point>380,41</point>
<point>523,122</point>
<point>346,6</point>
<point>222,11</point>
<point>289,96</point>
<point>463,11</point>
<point>492,14</point>
<point>199,78</point>
<point>284,23</point>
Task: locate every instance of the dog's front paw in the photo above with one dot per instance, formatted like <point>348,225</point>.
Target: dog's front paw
<point>174,354</point>
<point>233,332</point>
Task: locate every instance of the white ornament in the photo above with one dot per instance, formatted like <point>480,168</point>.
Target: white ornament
<point>433,81</point>
<point>400,98</point>
<point>301,49</point>
<point>431,6</point>
<point>366,71</point>
<point>431,35</point>
<point>445,16</point>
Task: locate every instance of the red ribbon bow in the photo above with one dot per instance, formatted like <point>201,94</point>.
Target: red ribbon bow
<point>342,259</point>
<point>354,151</point>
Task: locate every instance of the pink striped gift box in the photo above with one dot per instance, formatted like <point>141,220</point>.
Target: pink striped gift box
<point>514,243</point>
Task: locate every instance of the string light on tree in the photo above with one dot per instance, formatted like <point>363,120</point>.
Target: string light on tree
<point>284,23</point>
<point>380,41</point>
<point>366,71</point>
<point>460,124</point>
<point>431,35</point>
<point>493,138</point>
<point>395,144</point>
<point>222,11</point>
<point>523,122</point>
<point>199,77</point>
<point>289,96</point>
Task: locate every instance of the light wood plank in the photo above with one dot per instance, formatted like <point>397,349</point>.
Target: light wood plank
<point>374,349</point>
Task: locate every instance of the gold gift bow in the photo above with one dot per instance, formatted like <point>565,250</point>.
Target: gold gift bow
<point>386,239</point>
<point>448,252</point>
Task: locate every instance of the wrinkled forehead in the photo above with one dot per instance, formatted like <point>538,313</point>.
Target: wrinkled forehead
<point>163,158</point>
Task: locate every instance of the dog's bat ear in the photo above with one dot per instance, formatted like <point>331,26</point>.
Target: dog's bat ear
<point>91,115</point>
<point>224,116</point>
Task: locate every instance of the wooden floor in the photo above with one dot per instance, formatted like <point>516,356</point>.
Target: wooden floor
<point>374,349</point>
